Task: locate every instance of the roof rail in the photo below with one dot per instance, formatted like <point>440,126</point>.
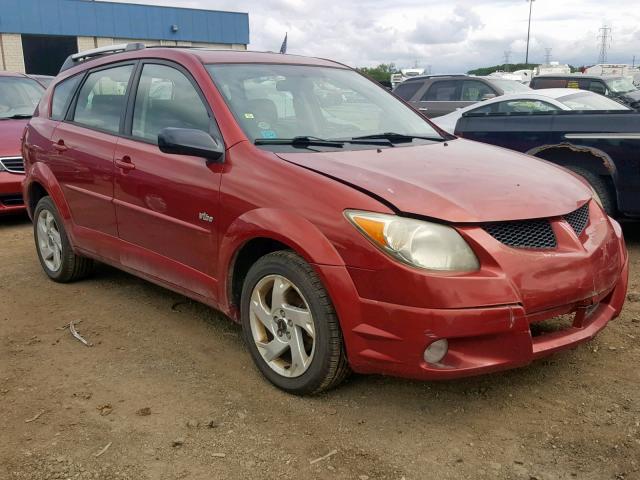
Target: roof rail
<point>76,58</point>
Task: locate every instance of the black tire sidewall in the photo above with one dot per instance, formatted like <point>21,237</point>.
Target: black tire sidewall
<point>601,187</point>
<point>310,380</point>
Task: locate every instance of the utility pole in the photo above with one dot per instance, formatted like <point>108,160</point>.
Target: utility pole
<point>526,58</point>
<point>605,43</point>
<point>507,59</point>
<point>547,56</point>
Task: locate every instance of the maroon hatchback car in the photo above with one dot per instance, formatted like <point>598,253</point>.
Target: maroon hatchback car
<point>342,229</point>
<point>19,96</point>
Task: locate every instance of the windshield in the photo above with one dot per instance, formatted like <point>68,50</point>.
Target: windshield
<point>621,85</point>
<point>289,101</point>
<point>590,101</point>
<point>19,96</point>
<point>509,86</point>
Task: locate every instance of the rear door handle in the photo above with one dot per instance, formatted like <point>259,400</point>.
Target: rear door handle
<point>125,163</point>
<point>60,146</point>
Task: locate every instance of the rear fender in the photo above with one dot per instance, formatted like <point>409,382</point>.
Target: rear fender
<point>42,174</point>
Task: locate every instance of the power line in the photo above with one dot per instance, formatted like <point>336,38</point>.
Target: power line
<point>605,42</point>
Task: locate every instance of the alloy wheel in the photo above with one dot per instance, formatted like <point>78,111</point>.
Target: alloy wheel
<point>282,326</point>
<point>49,240</point>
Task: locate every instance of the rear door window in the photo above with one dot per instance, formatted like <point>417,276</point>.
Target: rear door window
<point>442,91</point>
<point>525,106</point>
<point>101,100</point>
<point>166,98</point>
<point>62,94</point>
<point>407,90</point>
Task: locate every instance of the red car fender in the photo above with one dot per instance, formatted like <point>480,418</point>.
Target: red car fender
<point>42,174</point>
<point>283,226</point>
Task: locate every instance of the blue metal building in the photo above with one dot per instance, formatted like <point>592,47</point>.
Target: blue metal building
<point>37,35</point>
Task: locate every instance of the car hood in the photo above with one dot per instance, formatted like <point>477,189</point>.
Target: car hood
<point>11,137</point>
<point>457,181</point>
<point>631,97</point>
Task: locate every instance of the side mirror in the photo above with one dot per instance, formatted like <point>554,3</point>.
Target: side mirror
<point>189,141</point>
<point>488,96</point>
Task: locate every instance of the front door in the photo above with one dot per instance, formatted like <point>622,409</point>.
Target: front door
<point>167,205</point>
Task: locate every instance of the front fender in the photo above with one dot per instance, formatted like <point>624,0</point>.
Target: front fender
<point>283,226</point>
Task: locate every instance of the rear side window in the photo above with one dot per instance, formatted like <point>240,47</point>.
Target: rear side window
<point>446,91</point>
<point>61,95</point>
<point>166,98</point>
<point>102,97</point>
<point>407,90</point>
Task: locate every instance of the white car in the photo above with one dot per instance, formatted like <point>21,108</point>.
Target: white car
<point>546,100</point>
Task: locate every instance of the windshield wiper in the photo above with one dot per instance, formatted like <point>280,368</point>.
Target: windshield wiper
<point>17,116</point>
<point>306,141</point>
<point>397,137</point>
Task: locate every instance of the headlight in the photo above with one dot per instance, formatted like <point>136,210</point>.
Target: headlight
<point>415,242</point>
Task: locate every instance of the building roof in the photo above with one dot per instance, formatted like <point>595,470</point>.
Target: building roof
<point>123,20</point>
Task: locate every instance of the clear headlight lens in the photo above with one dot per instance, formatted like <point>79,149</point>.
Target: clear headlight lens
<point>415,242</point>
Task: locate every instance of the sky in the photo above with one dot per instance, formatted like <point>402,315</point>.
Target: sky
<point>445,36</point>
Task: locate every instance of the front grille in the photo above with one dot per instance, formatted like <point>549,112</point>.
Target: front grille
<point>578,219</point>
<point>524,234</point>
<point>12,164</point>
<point>11,200</point>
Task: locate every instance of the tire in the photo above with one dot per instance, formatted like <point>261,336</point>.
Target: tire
<point>305,295</point>
<point>64,266</point>
<point>602,186</point>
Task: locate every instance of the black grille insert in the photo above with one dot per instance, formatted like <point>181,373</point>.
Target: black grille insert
<point>524,233</point>
<point>578,219</point>
<point>13,165</point>
<point>11,200</point>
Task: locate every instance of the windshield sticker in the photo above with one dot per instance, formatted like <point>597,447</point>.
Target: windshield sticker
<point>268,134</point>
<point>249,115</point>
<point>264,125</point>
<point>573,85</point>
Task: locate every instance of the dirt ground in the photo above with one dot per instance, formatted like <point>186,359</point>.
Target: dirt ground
<point>170,389</point>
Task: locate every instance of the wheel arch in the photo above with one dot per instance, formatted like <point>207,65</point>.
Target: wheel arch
<point>569,154</point>
<point>40,182</point>
<point>262,231</point>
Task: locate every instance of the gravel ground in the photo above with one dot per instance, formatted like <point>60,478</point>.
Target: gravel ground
<point>169,392</point>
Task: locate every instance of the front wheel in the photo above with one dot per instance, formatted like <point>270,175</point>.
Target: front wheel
<point>290,325</point>
<point>602,187</point>
<point>56,256</point>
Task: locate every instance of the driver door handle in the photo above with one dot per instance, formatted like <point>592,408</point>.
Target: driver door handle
<point>125,163</point>
<point>60,146</point>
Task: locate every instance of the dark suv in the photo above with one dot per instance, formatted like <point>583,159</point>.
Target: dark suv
<point>436,95</point>
<point>619,88</point>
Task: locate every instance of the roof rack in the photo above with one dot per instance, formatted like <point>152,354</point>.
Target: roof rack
<point>76,58</point>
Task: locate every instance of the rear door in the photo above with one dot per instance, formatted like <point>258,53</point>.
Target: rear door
<point>167,205</point>
<point>84,145</point>
<point>440,98</point>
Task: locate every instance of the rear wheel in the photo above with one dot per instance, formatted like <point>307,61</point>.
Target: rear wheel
<point>602,187</point>
<point>56,256</point>
<point>290,325</point>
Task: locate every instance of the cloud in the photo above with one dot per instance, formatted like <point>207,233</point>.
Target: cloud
<point>450,37</point>
<point>451,29</point>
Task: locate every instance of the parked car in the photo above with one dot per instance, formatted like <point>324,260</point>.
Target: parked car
<point>599,142</point>
<point>436,95</point>
<point>533,101</point>
<point>349,236</point>
<point>19,96</point>
<point>44,80</point>
<point>619,88</point>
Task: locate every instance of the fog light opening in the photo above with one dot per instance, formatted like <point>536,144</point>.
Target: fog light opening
<point>436,351</point>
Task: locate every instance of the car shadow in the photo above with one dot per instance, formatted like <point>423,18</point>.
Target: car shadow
<point>14,220</point>
<point>631,233</point>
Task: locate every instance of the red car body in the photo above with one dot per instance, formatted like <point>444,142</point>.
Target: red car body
<point>144,220</point>
<point>11,175</point>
